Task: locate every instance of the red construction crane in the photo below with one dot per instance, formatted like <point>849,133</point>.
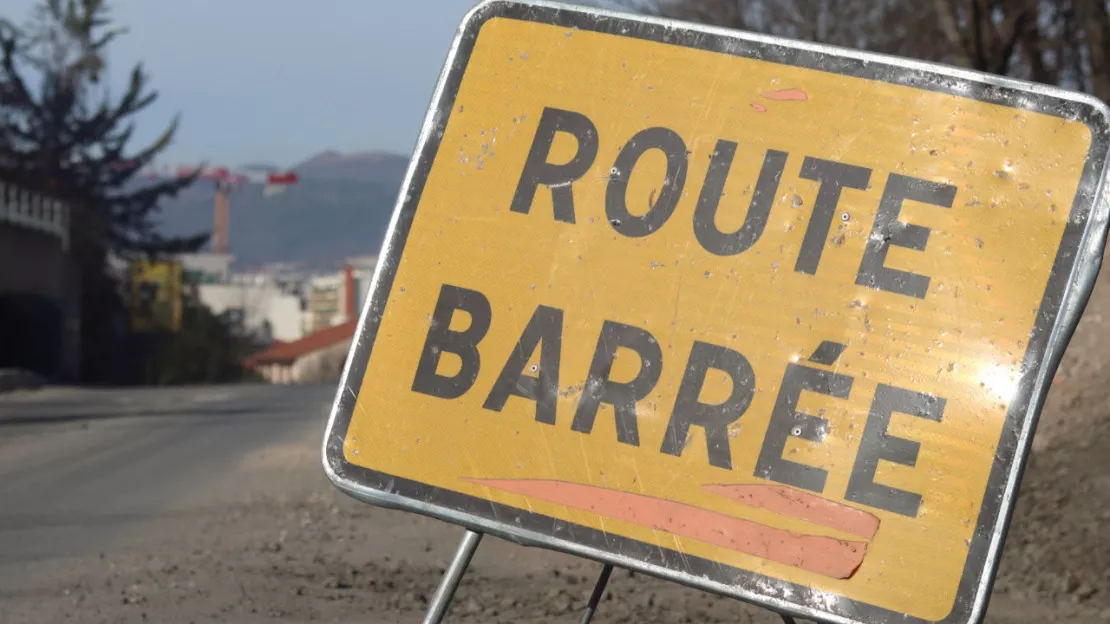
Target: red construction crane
<point>227,181</point>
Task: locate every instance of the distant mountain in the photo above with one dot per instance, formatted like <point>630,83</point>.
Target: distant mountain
<point>340,208</point>
<point>365,166</point>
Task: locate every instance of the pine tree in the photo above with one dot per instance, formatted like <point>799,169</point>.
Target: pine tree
<point>64,134</point>
<point>68,138</point>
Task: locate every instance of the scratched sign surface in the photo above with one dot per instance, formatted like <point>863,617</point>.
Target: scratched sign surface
<point>770,320</point>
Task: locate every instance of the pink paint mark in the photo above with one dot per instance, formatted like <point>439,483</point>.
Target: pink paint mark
<point>787,95</point>
<point>759,108</point>
<point>815,553</point>
<point>802,505</point>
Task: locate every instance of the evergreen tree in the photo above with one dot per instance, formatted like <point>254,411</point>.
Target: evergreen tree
<point>69,138</point>
<point>64,134</point>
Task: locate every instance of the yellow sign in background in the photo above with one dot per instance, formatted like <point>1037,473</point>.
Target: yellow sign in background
<point>988,256</point>
<point>156,295</point>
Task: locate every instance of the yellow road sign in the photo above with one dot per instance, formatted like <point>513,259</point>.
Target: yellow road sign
<point>155,295</point>
<point>765,318</point>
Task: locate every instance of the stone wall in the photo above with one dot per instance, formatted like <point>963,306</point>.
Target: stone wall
<point>35,263</point>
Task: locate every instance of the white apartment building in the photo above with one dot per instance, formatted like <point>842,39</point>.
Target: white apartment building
<point>275,303</point>
<point>262,305</point>
<point>326,295</point>
<point>206,268</point>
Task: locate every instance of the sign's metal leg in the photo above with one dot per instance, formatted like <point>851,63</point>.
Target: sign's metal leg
<point>599,591</point>
<point>441,601</point>
<point>787,619</point>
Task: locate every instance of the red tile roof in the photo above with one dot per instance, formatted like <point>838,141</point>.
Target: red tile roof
<point>288,352</point>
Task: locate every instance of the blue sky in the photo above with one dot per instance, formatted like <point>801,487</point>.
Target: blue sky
<point>280,80</point>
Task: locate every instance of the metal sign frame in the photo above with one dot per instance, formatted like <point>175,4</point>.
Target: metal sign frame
<point>1073,274</point>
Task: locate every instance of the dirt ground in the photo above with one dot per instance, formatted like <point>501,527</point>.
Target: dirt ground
<point>295,550</point>
<point>274,541</point>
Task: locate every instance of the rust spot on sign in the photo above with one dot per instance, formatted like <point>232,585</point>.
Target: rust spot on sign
<point>759,108</point>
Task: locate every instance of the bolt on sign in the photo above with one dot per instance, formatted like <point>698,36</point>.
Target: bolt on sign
<point>770,319</point>
<point>156,296</point>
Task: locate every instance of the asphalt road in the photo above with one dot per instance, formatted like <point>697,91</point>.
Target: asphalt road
<point>82,471</point>
<point>210,505</point>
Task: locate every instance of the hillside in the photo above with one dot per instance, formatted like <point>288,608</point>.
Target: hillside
<point>340,208</point>
<point>383,167</point>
